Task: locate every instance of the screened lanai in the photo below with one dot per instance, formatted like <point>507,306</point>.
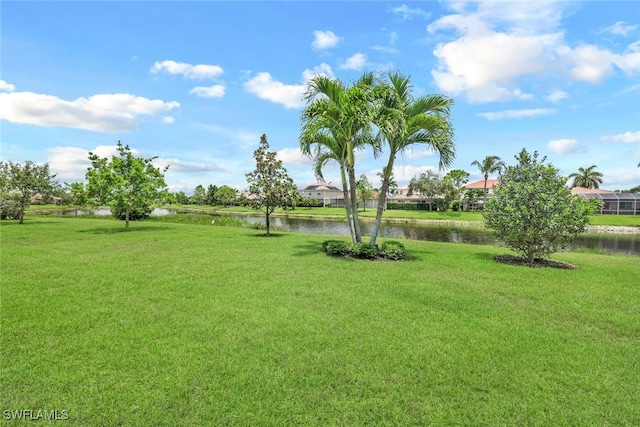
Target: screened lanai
<point>616,203</point>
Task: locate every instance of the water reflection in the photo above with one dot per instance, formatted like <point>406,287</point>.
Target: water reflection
<point>628,244</point>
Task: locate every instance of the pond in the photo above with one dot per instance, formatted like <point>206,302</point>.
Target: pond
<point>627,244</point>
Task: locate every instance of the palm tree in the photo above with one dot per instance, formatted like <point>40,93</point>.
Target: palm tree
<point>404,121</point>
<point>490,164</point>
<point>336,122</point>
<point>586,177</point>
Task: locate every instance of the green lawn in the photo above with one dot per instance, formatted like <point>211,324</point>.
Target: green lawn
<point>179,324</point>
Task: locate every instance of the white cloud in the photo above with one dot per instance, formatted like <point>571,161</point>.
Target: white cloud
<point>563,146</point>
<point>620,28</point>
<point>557,96</point>
<point>176,165</point>
<point>215,91</point>
<point>587,62</point>
<point>68,163</point>
<point>264,86</point>
<point>323,69</point>
<point>486,64</point>
<point>626,138</point>
<point>189,71</point>
<point>293,156</point>
<point>117,112</point>
<point>324,40</point>
<point>355,62</point>
<point>409,13</point>
<point>168,119</point>
<point>418,154</point>
<point>403,174</point>
<point>517,114</point>
<point>500,44</point>
<point>6,87</point>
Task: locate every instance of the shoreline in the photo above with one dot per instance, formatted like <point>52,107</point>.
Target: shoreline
<point>597,229</point>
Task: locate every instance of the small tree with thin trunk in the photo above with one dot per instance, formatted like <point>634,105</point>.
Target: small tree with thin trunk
<point>364,190</point>
<point>532,211</point>
<point>427,185</point>
<point>269,185</point>
<point>130,185</point>
<point>458,178</point>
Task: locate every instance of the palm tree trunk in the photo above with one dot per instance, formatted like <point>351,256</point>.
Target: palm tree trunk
<point>352,189</point>
<point>484,194</point>
<point>347,204</point>
<point>382,198</point>
<point>353,200</point>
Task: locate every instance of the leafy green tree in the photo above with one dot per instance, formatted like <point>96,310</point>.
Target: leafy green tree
<point>532,211</point>
<point>427,185</point>
<point>211,195</point>
<point>226,195</point>
<point>457,178</point>
<point>269,185</point>
<point>199,195</point>
<point>181,198</point>
<point>130,185</point>
<point>364,190</point>
<point>337,121</point>
<point>404,122</point>
<point>79,195</point>
<point>489,165</point>
<point>586,177</point>
<point>20,182</point>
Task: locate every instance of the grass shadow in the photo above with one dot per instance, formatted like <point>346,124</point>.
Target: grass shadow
<point>111,230</point>
<point>272,234</point>
<point>307,249</point>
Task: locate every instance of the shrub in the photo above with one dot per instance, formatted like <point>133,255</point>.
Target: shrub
<point>336,247</point>
<point>441,205</point>
<point>394,250</point>
<point>363,250</point>
<point>532,211</point>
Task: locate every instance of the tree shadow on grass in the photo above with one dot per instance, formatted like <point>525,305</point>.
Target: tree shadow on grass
<point>111,230</point>
<point>272,234</point>
<point>308,249</point>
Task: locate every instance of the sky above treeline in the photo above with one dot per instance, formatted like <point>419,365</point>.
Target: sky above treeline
<point>198,83</point>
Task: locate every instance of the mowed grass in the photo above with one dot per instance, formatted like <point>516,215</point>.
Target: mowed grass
<point>179,324</point>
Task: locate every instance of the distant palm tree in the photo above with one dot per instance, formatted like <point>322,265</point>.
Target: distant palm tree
<point>490,164</point>
<point>586,177</point>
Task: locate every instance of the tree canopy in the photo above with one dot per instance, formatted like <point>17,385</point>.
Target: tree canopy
<point>532,211</point>
<point>269,185</point>
<point>20,182</point>
<point>586,177</point>
<point>130,185</point>
<point>405,121</point>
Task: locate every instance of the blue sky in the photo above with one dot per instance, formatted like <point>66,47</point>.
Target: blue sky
<point>197,83</point>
